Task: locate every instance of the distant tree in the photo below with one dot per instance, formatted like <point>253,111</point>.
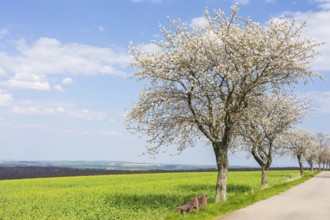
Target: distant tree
<point>323,140</point>
<point>297,143</point>
<point>201,80</point>
<point>328,160</point>
<point>325,158</point>
<point>264,124</point>
<point>312,153</point>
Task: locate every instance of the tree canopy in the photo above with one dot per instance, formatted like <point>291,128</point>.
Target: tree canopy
<point>201,79</point>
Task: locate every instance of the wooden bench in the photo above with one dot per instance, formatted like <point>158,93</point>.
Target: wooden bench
<point>194,203</point>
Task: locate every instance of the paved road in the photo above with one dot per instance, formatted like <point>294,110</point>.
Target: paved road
<point>307,201</point>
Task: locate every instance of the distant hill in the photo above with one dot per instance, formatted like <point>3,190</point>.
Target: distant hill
<point>39,169</point>
<point>106,165</point>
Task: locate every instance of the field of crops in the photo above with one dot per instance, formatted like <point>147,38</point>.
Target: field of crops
<point>135,196</point>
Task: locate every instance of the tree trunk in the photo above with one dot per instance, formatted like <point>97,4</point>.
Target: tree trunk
<point>264,177</point>
<point>311,164</point>
<point>301,166</point>
<point>264,161</point>
<point>312,168</point>
<point>222,163</point>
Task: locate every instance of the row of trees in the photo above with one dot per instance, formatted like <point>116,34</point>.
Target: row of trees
<point>315,151</point>
<point>228,83</point>
<point>305,146</point>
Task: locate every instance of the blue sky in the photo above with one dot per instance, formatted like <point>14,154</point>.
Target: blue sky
<point>64,64</point>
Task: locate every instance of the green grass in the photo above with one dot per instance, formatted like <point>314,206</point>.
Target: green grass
<point>140,196</point>
<point>242,200</point>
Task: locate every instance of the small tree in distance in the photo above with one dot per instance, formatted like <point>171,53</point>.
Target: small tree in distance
<point>326,159</point>
<point>264,125</point>
<point>201,80</point>
<point>312,153</point>
<point>297,143</point>
<point>323,140</point>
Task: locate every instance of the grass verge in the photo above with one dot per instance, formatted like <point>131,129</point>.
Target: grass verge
<point>215,211</point>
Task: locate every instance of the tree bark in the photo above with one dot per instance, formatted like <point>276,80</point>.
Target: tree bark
<point>311,164</point>
<point>222,163</point>
<point>301,166</point>
<point>264,177</point>
<point>312,168</point>
<point>264,163</point>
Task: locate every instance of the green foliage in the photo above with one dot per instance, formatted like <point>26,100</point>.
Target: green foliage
<point>138,196</point>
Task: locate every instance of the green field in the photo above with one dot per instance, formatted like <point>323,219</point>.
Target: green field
<point>135,196</point>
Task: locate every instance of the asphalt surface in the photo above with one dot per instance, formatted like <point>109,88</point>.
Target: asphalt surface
<point>307,201</point>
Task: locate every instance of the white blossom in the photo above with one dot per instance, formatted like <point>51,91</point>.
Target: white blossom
<point>265,121</point>
<point>301,144</point>
<point>201,80</point>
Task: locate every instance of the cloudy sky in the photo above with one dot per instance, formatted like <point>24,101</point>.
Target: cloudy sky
<point>64,66</point>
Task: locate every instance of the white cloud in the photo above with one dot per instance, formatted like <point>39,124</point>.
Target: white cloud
<point>109,133</point>
<point>150,47</point>
<point>59,88</point>
<point>28,81</point>
<point>241,2</point>
<point>67,81</point>
<point>101,132</point>
<point>2,72</point>
<point>3,33</point>
<point>318,28</point>
<point>199,22</point>
<point>29,107</point>
<point>28,126</point>
<point>34,63</point>
<point>325,4</point>
<point>71,131</point>
<point>5,99</point>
